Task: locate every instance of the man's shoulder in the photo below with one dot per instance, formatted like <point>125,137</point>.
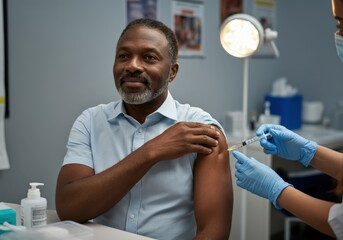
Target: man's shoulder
<point>191,112</point>
<point>100,111</point>
<point>103,107</point>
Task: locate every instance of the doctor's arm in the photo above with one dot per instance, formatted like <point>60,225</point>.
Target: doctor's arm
<point>263,181</point>
<point>313,211</point>
<point>329,162</point>
<point>213,195</point>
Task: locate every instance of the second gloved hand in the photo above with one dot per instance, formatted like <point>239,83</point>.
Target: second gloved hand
<point>287,144</point>
<point>258,178</point>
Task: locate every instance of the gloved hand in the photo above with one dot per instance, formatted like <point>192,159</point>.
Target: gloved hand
<point>287,144</point>
<point>258,178</point>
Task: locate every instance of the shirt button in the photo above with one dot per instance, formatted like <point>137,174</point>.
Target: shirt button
<point>140,130</point>
<point>132,216</point>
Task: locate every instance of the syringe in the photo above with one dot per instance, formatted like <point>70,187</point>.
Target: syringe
<point>248,141</point>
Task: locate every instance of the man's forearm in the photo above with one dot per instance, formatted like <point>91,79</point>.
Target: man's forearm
<point>88,196</point>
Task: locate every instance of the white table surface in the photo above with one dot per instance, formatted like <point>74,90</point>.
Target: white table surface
<point>100,231</point>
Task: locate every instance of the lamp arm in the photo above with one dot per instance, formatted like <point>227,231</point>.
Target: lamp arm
<point>269,34</point>
<point>275,50</point>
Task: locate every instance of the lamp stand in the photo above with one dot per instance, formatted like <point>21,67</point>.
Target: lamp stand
<point>245,136</point>
<point>245,98</point>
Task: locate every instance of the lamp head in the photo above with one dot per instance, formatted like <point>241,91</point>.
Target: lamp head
<point>241,35</point>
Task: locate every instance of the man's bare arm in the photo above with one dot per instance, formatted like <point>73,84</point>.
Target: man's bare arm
<point>213,193</point>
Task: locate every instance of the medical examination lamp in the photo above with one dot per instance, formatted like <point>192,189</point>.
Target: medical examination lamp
<point>241,35</point>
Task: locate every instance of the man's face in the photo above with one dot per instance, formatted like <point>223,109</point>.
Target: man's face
<point>337,9</point>
<point>142,67</point>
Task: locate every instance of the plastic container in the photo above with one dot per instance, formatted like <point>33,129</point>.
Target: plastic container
<point>7,214</point>
<point>312,112</point>
<point>233,123</point>
<point>33,208</point>
<point>288,108</point>
<point>65,230</point>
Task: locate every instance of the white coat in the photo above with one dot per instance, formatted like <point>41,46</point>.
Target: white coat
<point>336,220</point>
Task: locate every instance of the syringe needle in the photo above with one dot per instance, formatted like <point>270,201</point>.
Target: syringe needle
<point>234,147</point>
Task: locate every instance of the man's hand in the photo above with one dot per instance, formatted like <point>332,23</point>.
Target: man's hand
<point>183,138</point>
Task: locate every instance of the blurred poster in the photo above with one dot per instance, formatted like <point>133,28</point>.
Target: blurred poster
<point>230,7</point>
<point>264,11</point>
<point>188,23</point>
<point>4,164</point>
<point>141,9</point>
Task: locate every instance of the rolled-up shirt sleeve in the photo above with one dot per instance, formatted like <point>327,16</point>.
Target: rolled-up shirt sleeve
<point>79,146</point>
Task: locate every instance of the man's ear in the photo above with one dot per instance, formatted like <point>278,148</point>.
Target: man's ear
<point>173,71</point>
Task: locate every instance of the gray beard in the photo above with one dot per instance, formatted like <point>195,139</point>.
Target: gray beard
<point>140,98</point>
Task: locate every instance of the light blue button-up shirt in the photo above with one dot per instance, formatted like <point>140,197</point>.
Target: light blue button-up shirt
<point>160,205</point>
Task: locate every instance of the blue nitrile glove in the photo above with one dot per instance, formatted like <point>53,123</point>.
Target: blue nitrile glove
<point>287,144</point>
<point>258,178</point>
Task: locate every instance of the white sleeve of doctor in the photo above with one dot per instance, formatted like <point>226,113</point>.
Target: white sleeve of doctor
<point>336,220</point>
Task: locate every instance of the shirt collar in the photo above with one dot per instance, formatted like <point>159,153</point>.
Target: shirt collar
<point>114,110</point>
<point>167,109</point>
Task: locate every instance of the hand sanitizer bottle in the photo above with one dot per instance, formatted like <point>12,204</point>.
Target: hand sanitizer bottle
<point>267,117</point>
<point>33,208</point>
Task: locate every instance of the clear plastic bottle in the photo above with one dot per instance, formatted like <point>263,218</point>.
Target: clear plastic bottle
<point>338,118</point>
<point>267,117</point>
<point>33,208</point>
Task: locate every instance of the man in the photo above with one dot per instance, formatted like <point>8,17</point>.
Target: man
<point>147,164</point>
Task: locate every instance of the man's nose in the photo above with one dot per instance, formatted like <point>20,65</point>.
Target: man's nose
<point>134,65</point>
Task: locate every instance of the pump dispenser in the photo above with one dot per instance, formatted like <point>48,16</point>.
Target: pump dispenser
<point>267,117</point>
<point>33,208</point>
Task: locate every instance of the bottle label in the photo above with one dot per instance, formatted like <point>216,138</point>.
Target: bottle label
<point>22,216</point>
<point>38,216</point>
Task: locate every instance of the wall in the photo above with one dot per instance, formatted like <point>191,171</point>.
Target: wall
<point>60,62</point>
<point>309,58</point>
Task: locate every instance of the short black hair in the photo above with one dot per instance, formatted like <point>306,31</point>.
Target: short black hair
<point>168,33</point>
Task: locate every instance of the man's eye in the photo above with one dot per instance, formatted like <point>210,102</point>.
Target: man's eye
<point>150,58</point>
<point>123,56</point>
